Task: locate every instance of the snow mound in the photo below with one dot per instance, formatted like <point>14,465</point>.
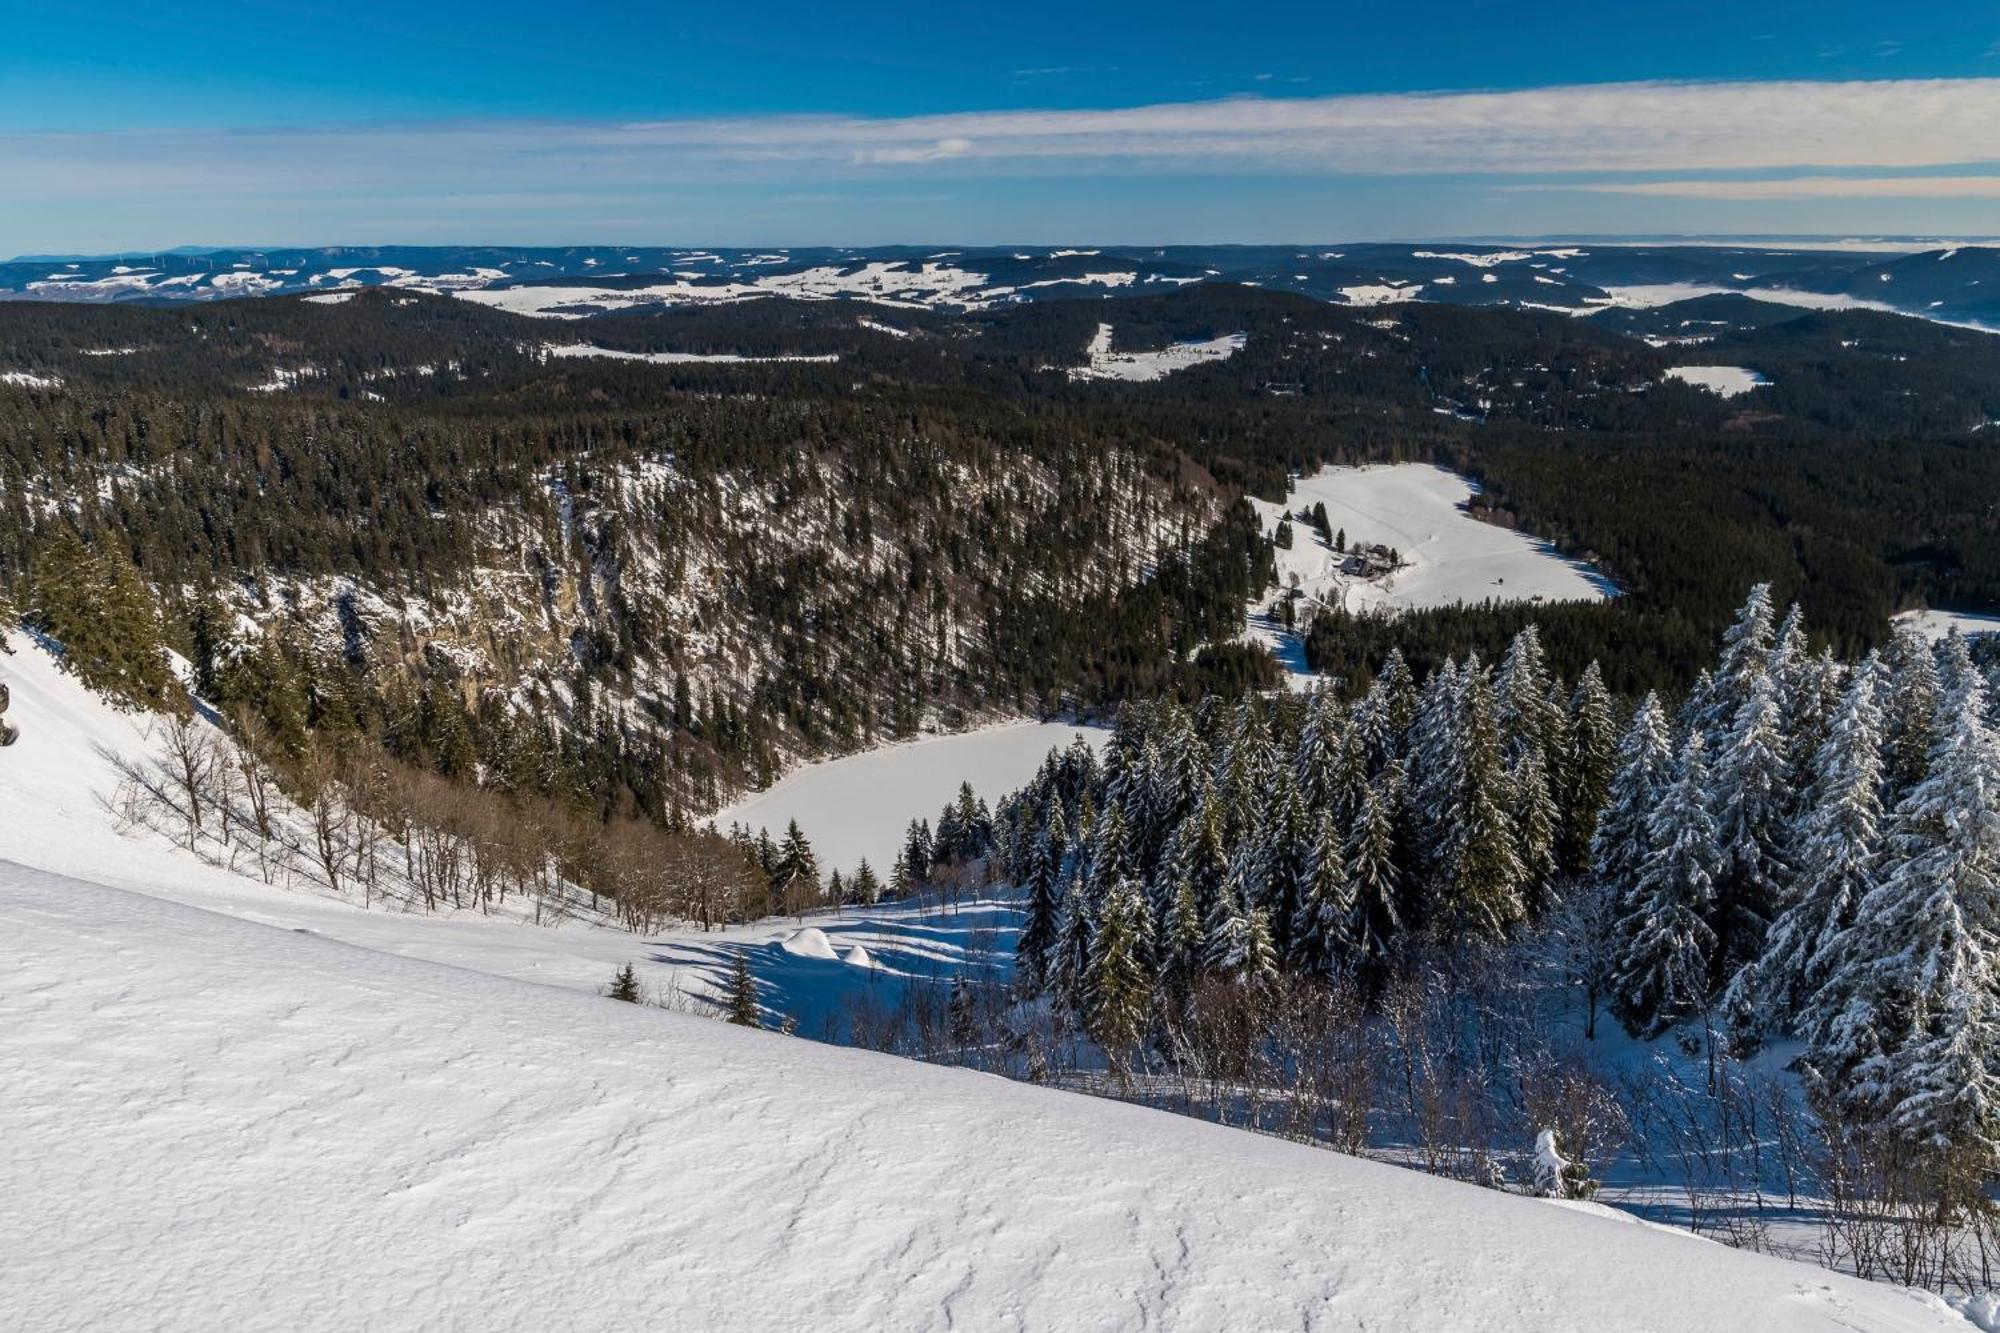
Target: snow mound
<point>213,1123</point>
<point>858,957</point>
<point>808,943</point>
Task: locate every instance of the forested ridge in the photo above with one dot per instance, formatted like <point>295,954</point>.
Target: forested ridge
<point>696,570</point>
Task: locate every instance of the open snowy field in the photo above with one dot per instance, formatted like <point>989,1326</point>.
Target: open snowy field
<point>1106,364</point>
<point>1724,381</point>
<point>217,1124</point>
<point>862,805</point>
<point>1417,509</point>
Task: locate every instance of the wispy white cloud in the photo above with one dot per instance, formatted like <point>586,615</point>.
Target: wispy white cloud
<point>1603,129</point>
<point>1799,187</point>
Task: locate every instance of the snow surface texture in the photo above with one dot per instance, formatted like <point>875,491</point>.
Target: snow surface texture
<point>218,1124</point>
<point>1725,381</point>
<point>862,805</point>
<point>1451,556</point>
<point>1106,364</point>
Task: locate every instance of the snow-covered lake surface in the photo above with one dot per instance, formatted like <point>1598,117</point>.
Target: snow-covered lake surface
<point>1106,364</point>
<point>1726,381</point>
<point>1937,624</point>
<point>861,805</point>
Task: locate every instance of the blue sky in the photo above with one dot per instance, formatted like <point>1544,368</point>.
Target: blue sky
<point>292,123</point>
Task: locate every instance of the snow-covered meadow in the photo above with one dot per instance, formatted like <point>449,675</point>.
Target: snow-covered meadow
<point>1419,510</point>
<point>1106,364</point>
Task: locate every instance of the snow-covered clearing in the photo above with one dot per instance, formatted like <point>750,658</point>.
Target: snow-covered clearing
<point>28,380</point>
<point>1450,557</point>
<point>569,350</point>
<point>1106,364</point>
<point>214,1123</point>
<point>1725,381</point>
<point>861,805</point>
<point>1937,624</point>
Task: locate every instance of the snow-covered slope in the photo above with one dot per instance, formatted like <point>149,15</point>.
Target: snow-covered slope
<point>213,1123</point>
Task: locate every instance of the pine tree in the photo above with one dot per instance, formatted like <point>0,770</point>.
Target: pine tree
<point>1641,772</point>
<point>1746,650</point>
<point>1909,711</point>
<point>1535,817</point>
<point>1837,842</point>
<point>742,993</point>
<point>1593,741</point>
<point>1483,870</point>
<point>1116,988</point>
<point>625,985</point>
<point>1906,1030</point>
<point>1372,879</point>
<point>795,877</point>
<point>867,889</point>
<point>1664,936</point>
<point>1044,887</point>
<point>1320,935</point>
<point>1752,802</point>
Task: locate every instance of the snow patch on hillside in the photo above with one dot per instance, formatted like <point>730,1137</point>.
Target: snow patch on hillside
<point>1106,364</point>
<point>573,350</point>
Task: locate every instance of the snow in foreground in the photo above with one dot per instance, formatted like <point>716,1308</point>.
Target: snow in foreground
<point>218,1124</point>
<point>1106,364</point>
<point>861,805</point>
<point>1724,381</point>
<point>1417,509</point>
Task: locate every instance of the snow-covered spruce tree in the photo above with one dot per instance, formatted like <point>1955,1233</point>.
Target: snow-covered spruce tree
<point>1530,715</point>
<point>1042,910</point>
<point>1320,943</point>
<point>1480,888</point>
<point>1116,989</point>
<point>1593,742</point>
<point>1665,943</point>
<point>1534,815</point>
<point>1314,757</point>
<point>1909,712</point>
<point>1177,945</point>
<point>1836,842</point>
<point>1752,801</point>
<point>1907,1031</point>
<point>795,879</point>
<point>1436,750</point>
<point>1746,650</point>
<point>1070,956</point>
<point>1285,844</point>
<point>1373,880</point>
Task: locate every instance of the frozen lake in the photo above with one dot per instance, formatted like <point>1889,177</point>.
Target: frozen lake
<point>863,804</point>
